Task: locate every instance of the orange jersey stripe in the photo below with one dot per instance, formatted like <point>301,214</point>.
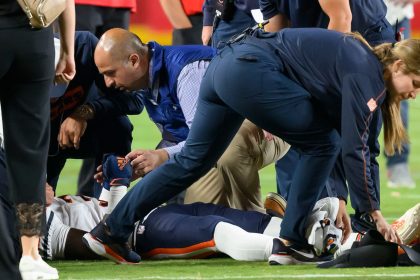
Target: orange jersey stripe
<point>200,250</point>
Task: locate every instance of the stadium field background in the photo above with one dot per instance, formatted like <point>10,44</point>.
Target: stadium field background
<point>150,23</point>
<point>146,135</point>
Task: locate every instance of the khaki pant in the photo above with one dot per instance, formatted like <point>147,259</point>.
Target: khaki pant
<point>235,182</point>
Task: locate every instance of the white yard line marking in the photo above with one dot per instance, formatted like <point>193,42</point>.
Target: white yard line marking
<point>277,276</point>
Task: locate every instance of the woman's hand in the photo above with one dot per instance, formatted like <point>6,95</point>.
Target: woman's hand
<point>384,228</point>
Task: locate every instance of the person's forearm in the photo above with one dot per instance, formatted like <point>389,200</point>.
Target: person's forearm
<point>67,22</point>
<point>340,24</point>
<point>339,13</point>
<point>175,13</point>
<point>276,23</point>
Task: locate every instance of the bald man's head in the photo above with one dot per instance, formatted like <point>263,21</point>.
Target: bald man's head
<point>119,43</point>
<point>123,59</point>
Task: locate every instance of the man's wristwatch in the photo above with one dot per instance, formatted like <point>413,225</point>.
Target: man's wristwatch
<point>84,112</point>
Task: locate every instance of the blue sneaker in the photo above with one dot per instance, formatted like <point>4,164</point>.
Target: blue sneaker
<point>116,170</point>
<point>99,240</point>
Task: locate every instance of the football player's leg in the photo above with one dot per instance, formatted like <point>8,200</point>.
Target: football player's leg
<point>240,244</point>
<point>165,234</point>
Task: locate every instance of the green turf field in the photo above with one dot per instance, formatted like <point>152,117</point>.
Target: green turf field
<point>394,203</point>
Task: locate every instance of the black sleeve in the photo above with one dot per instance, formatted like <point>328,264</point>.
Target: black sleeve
<point>117,104</point>
<point>270,8</point>
<point>359,137</point>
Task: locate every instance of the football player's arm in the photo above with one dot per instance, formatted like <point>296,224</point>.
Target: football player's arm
<point>339,13</point>
<point>272,12</point>
<point>175,13</point>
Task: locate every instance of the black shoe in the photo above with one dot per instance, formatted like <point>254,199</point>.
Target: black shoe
<point>362,222</point>
<point>99,240</point>
<point>292,254</point>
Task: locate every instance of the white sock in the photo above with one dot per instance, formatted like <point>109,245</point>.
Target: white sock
<point>240,244</point>
<point>349,242</point>
<point>273,227</point>
<point>116,193</point>
<point>104,196</point>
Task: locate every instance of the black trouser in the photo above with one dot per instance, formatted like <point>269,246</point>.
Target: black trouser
<point>98,19</point>
<point>9,255</point>
<point>189,36</point>
<point>105,135</point>
<point>26,76</point>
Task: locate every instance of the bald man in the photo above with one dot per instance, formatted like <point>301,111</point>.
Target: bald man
<point>170,78</point>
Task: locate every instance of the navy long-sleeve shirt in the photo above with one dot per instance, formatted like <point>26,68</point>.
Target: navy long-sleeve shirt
<point>308,13</point>
<point>344,78</point>
<point>88,86</point>
<point>209,10</point>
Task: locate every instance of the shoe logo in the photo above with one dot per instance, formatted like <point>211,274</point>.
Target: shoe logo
<point>140,229</point>
<point>308,255</point>
<point>397,224</point>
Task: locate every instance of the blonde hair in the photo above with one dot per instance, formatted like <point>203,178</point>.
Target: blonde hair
<point>408,51</point>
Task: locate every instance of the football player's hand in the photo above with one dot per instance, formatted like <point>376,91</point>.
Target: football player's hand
<point>99,176</point>
<point>144,161</point>
<point>206,34</point>
<point>71,130</point>
<point>384,228</point>
<point>343,220</point>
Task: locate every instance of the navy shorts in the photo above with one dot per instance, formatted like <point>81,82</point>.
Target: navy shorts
<point>186,231</point>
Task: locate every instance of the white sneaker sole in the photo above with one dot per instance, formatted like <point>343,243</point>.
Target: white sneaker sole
<point>103,250</point>
<point>393,185</point>
<point>281,260</point>
<point>31,275</point>
<point>276,259</point>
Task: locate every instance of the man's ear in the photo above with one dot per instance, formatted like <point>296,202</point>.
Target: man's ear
<point>134,59</point>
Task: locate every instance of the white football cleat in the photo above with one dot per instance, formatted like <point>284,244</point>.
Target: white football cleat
<point>408,226</point>
<point>31,269</point>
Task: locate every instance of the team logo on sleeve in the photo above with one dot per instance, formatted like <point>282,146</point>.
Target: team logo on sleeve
<point>121,162</point>
<point>372,104</point>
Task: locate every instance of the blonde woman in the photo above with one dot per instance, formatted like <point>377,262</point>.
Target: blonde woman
<point>321,91</point>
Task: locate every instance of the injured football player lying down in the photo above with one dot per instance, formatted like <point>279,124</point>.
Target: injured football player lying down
<point>196,230</point>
